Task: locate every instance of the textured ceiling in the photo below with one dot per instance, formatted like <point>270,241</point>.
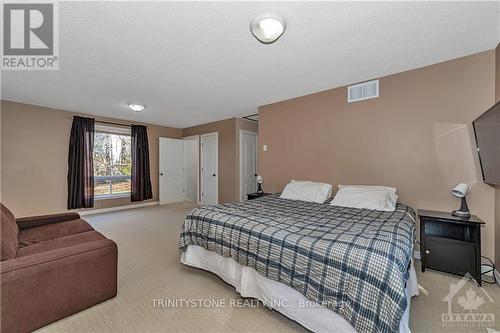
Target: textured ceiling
<point>195,62</point>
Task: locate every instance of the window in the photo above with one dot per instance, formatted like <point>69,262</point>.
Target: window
<point>112,161</point>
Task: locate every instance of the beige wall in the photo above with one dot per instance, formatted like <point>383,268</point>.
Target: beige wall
<point>34,158</point>
<point>417,136</point>
<point>497,189</point>
<point>497,73</point>
<point>228,129</point>
<point>227,156</point>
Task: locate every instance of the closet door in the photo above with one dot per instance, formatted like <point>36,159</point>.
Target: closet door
<point>209,169</point>
<point>172,171</point>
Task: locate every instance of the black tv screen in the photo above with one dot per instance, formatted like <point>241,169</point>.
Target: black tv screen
<point>487,132</point>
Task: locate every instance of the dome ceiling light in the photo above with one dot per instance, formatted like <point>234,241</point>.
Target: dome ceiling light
<point>136,107</point>
<point>268,27</point>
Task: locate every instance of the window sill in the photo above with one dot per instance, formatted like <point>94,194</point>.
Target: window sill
<point>112,196</point>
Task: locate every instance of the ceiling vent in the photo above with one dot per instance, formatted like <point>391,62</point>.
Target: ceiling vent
<point>362,91</point>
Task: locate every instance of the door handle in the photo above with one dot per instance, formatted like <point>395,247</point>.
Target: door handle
<point>213,175</point>
<point>255,175</point>
<point>161,173</point>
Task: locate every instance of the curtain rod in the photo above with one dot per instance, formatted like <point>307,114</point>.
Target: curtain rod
<point>108,123</point>
<point>111,123</point>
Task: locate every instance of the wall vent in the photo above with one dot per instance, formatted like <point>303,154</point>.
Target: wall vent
<point>362,91</point>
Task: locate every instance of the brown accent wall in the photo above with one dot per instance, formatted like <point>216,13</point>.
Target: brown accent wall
<point>34,158</point>
<point>417,136</point>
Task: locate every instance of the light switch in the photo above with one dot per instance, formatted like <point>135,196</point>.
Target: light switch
<point>264,147</point>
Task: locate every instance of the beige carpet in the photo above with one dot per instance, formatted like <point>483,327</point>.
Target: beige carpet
<point>149,268</point>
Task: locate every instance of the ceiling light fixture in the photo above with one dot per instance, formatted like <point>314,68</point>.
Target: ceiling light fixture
<point>136,107</point>
<point>268,27</point>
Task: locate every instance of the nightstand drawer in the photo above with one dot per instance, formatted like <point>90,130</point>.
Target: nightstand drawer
<point>451,256</point>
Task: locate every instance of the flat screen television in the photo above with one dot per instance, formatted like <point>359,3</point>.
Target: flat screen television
<point>487,132</point>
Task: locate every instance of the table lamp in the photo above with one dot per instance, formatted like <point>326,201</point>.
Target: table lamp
<point>460,191</point>
<point>259,183</point>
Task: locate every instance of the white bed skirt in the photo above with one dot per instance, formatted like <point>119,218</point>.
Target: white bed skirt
<point>249,283</point>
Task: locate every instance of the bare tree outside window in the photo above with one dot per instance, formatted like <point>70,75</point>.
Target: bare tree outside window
<point>112,163</point>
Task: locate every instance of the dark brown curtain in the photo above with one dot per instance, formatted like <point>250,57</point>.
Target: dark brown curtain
<point>81,164</point>
<point>141,180</point>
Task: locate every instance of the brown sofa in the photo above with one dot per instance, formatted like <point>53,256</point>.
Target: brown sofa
<point>52,266</point>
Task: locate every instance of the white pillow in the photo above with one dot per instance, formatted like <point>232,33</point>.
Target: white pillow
<point>307,191</point>
<point>324,189</point>
<point>366,197</point>
<point>389,190</point>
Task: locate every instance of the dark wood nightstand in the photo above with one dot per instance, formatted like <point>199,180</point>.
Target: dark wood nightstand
<point>251,196</point>
<point>450,244</point>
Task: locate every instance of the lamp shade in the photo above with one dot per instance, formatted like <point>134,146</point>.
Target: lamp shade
<point>461,190</point>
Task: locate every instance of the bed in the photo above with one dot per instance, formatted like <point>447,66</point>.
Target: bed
<point>353,264</point>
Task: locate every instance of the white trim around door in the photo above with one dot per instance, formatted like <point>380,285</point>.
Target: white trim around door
<point>242,162</point>
<point>197,139</point>
<point>209,176</point>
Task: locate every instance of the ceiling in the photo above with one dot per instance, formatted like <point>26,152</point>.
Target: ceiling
<point>195,62</point>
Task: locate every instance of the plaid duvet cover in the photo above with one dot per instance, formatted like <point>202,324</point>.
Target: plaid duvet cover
<point>353,261</point>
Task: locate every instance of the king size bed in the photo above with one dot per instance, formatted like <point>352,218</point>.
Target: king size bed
<point>327,267</point>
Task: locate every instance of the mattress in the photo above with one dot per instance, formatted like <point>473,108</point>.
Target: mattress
<point>355,262</point>
<point>280,297</point>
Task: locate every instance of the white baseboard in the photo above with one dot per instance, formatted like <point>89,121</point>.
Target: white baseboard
<point>113,209</point>
<point>486,268</point>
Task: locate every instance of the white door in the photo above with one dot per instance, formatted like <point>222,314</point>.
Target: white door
<point>192,163</point>
<point>209,169</point>
<point>248,163</point>
<point>172,166</point>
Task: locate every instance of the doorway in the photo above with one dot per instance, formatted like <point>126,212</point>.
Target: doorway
<point>209,168</point>
<point>248,163</point>
<point>172,177</point>
<point>192,144</point>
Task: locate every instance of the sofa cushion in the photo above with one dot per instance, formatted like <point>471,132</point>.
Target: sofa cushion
<point>59,243</point>
<point>9,232</point>
<point>50,231</point>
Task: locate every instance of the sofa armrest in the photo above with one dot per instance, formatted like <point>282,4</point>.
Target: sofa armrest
<point>35,221</point>
<point>7,266</point>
